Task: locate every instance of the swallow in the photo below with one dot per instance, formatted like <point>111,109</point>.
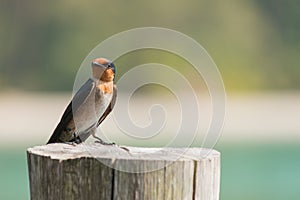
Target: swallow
<point>89,106</point>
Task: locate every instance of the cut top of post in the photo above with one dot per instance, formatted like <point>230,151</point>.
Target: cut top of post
<point>60,151</point>
<point>109,154</point>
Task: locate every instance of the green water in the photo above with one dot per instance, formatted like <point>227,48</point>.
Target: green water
<point>267,172</point>
<point>14,183</point>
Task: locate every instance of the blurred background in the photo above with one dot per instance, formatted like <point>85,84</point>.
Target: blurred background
<point>255,44</point>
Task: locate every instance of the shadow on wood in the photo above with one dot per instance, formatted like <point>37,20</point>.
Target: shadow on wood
<point>62,171</point>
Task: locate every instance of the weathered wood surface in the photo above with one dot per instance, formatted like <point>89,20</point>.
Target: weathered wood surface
<point>94,171</point>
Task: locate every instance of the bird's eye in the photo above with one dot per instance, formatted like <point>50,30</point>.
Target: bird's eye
<point>112,66</point>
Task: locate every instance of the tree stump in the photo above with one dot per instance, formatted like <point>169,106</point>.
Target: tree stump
<point>93,171</point>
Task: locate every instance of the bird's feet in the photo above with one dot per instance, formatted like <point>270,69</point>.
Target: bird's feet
<point>71,143</point>
<point>74,141</point>
<point>104,143</point>
<point>99,140</point>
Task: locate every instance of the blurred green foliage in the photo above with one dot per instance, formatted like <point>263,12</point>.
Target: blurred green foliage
<point>254,43</point>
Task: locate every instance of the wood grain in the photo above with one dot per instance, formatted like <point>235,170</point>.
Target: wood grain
<point>94,171</point>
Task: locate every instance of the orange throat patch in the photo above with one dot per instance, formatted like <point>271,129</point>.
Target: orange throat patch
<point>108,75</point>
<point>106,87</point>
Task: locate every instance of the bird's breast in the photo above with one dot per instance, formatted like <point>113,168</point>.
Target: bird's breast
<point>106,88</point>
<point>90,111</point>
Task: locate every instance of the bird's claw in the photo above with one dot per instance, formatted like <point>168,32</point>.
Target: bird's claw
<point>71,143</point>
<point>124,148</point>
<point>104,143</point>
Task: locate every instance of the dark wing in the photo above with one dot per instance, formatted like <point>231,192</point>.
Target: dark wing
<point>67,117</point>
<point>110,106</point>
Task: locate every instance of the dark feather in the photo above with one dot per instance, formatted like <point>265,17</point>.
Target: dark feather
<point>77,100</point>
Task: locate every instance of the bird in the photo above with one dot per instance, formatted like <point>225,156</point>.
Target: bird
<point>89,107</point>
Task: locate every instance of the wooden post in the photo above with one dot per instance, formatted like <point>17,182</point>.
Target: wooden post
<point>94,171</point>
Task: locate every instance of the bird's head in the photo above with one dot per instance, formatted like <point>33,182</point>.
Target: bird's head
<point>103,69</point>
